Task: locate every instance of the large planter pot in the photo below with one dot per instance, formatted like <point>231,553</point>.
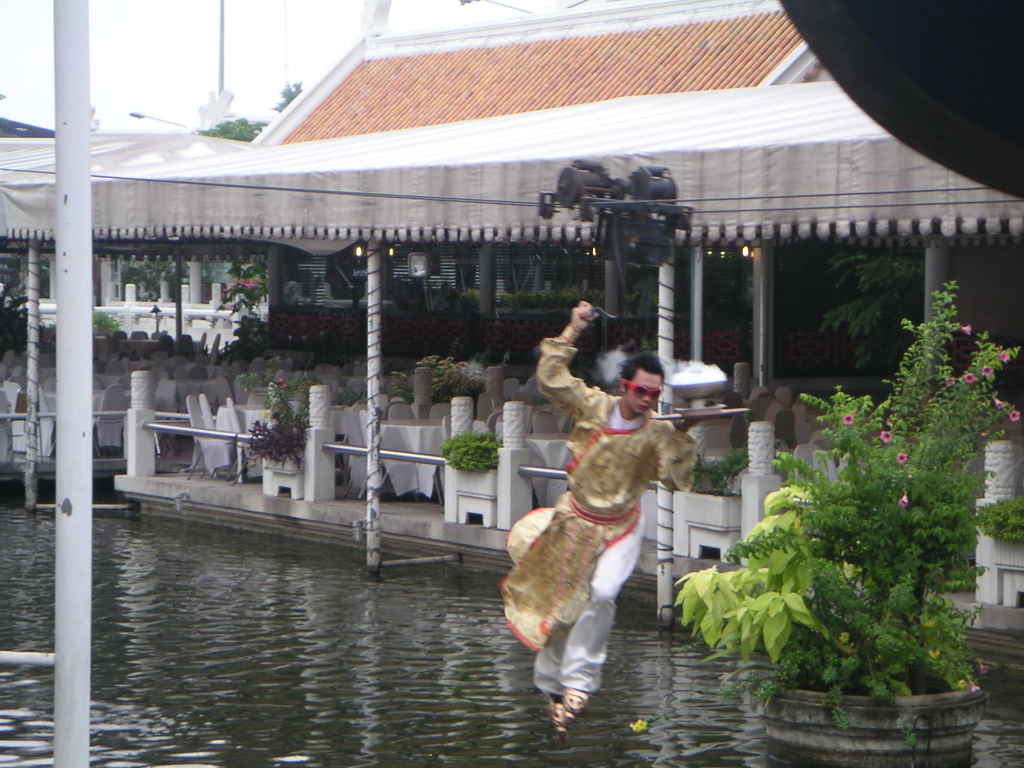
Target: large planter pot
<point>287,475</point>
<point>705,525</point>
<point>1002,583</point>
<point>470,493</point>
<point>801,732</point>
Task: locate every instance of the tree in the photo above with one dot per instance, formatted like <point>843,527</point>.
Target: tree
<point>288,94</point>
<point>237,130</point>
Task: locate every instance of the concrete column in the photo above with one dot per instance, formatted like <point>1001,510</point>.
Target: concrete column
<point>195,282</point>
<point>165,292</point>
<point>697,303</point>
<point>139,445</point>
<point>762,258</point>
<point>106,283</point>
<point>422,385</point>
<point>486,279</point>
<point>319,464</point>
<point>274,275</point>
<point>215,295</point>
<point>936,273</point>
<point>515,493</point>
<point>760,479</point>
<point>462,415</point>
<point>494,380</point>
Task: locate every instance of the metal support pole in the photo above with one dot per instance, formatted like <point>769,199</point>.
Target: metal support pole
<point>73,578</point>
<point>936,273</point>
<point>32,382</point>
<point>697,303</point>
<point>762,258</point>
<point>177,298</point>
<point>666,522</point>
<point>220,71</point>
<point>375,405</point>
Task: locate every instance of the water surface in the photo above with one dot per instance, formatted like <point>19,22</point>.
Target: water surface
<point>215,647</point>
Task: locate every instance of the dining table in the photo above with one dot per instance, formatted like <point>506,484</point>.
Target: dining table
<point>412,436</point>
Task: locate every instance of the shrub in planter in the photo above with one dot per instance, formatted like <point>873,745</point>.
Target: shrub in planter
<point>282,437</point>
<point>845,580</point>
<point>472,451</point>
<point>1003,520</point>
<point>453,379</point>
<point>717,477</point>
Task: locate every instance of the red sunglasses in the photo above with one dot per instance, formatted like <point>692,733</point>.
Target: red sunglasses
<point>641,391</point>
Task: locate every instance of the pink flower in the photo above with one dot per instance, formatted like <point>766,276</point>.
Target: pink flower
<point>1004,356</point>
<point>975,687</point>
<point>886,437</point>
<point>970,378</point>
<point>983,669</point>
<point>950,381</point>
<point>848,419</point>
<point>904,502</point>
<point>1014,415</point>
<point>998,403</point>
<point>966,329</point>
<point>987,370</point>
<point>901,458</point>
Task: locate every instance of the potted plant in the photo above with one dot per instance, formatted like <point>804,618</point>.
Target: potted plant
<point>845,580</point>
<point>471,477</point>
<point>710,511</point>
<point>1001,551</point>
<point>280,439</point>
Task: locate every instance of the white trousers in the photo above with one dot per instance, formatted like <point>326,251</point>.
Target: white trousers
<point>575,660</point>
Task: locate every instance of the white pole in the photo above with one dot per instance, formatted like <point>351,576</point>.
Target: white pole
<point>32,417</point>
<point>697,303</point>
<point>666,351</point>
<point>375,405</point>
<point>73,581</point>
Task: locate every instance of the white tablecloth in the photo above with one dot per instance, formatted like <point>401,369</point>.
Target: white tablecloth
<point>413,436</point>
<point>548,450</point>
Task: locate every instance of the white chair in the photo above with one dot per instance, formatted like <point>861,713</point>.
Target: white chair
<point>5,430</point>
<point>509,388</point>
<point>400,410</point>
<point>110,429</point>
<point>235,425</point>
<point>164,400</point>
<point>215,454</point>
<point>440,410</point>
<point>480,426</point>
<point>357,420</point>
<point>544,421</point>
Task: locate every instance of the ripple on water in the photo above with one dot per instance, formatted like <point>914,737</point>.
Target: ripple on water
<point>223,648</point>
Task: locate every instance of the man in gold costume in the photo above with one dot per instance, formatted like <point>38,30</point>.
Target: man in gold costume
<point>571,560</point>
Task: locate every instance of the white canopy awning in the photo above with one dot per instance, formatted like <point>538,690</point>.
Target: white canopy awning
<point>771,162</point>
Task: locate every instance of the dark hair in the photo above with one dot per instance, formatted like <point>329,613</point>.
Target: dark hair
<point>647,361</point>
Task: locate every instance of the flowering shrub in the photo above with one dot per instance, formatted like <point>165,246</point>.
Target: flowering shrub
<point>282,436</point>
<point>247,289</point>
<point>846,579</point>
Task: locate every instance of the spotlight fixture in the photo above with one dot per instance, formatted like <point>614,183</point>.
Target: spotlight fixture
<point>423,265</point>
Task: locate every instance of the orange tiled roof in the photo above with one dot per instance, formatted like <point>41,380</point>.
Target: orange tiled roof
<point>433,88</point>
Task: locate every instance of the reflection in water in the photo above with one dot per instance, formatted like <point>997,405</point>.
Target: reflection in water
<point>222,648</point>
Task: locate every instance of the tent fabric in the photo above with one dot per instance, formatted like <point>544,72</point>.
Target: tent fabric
<point>788,161</point>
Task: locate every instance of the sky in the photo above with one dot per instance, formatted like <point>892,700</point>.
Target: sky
<point>160,57</point>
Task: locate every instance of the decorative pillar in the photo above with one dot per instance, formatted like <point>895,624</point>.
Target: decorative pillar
<point>462,415</point>
<point>422,389</point>
<point>1002,459</point>
<point>375,404</point>
<point>666,508</point>
<point>515,492</point>
<point>319,463</point>
<point>936,273</point>
<point>140,447</point>
<point>760,478</point>
<point>741,379</point>
<point>215,295</point>
<point>130,293</point>
<point>32,388</point>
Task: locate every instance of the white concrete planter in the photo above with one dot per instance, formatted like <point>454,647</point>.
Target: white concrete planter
<point>288,475</point>
<point>470,493</point>
<point>705,521</point>
<point>1003,580</point>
